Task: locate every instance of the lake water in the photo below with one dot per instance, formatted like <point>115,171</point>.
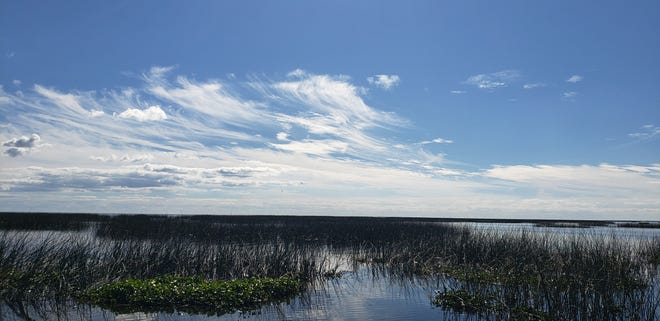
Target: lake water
<point>359,294</point>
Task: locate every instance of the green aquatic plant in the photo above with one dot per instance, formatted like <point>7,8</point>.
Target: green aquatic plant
<point>529,314</point>
<point>487,304</point>
<point>464,301</point>
<point>192,293</point>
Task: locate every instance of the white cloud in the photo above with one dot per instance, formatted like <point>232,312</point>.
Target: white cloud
<point>282,136</point>
<point>458,92</point>
<point>384,81</point>
<point>27,142</point>
<point>16,82</point>
<point>153,113</point>
<point>437,141</point>
<point>569,95</point>
<point>533,85</point>
<point>314,147</point>
<point>96,113</point>
<point>297,73</point>
<point>21,145</point>
<point>574,79</point>
<point>158,71</point>
<point>493,80</point>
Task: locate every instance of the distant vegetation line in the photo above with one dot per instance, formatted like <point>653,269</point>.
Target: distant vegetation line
<point>79,221</point>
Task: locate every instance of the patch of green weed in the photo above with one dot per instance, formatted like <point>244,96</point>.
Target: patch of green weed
<point>192,293</point>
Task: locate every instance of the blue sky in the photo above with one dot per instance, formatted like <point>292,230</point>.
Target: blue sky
<point>546,109</point>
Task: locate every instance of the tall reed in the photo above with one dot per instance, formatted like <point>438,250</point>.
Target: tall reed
<point>575,277</point>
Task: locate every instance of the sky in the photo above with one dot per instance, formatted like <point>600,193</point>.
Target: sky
<point>507,109</point>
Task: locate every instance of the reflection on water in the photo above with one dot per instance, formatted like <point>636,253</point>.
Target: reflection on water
<point>359,294</point>
<point>364,294</point>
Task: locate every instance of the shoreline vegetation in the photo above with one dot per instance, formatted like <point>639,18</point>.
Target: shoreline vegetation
<point>510,275</point>
<point>79,221</point>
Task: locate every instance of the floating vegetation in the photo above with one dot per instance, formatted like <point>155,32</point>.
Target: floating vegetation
<point>192,294</point>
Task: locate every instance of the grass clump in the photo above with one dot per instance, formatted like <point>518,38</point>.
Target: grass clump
<point>487,304</point>
<point>192,294</point>
<point>464,301</point>
<point>529,314</point>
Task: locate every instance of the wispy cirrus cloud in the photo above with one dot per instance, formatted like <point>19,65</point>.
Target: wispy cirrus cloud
<point>574,79</point>
<point>646,132</point>
<point>384,81</point>
<point>329,107</point>
<point>534,85</point>
<point>493,80</point>
<point>135,158</point>
<point>569,95</point>
<point>210,98</point>
<point>564,180</point>
<point>319,147</point>
<point>4,97</point>
<point>70,102</point>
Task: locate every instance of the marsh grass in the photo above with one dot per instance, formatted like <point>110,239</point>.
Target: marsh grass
<point>574,277</point>
<point>58,268</point>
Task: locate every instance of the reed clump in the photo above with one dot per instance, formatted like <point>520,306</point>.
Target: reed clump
<point>62,266</point>
<point>575,278</point>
